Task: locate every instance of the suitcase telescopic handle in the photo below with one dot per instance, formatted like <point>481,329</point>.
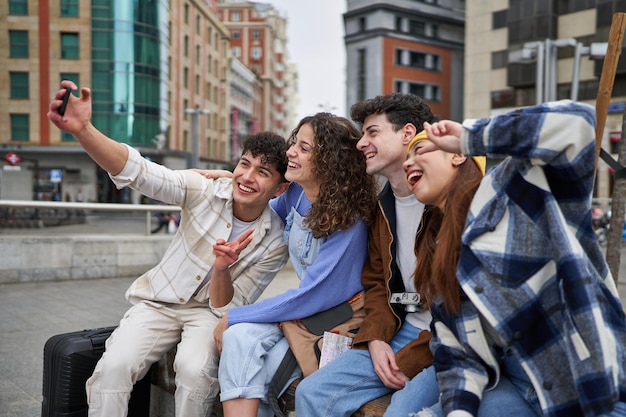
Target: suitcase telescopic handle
<point>98,338</point>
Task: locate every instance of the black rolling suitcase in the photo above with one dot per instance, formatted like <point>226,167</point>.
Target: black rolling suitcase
<point>68,361</point>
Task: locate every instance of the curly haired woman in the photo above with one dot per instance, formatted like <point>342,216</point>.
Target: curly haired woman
<point>326,211</point>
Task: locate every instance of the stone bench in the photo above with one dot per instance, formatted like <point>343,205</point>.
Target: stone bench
<point>162,394</point>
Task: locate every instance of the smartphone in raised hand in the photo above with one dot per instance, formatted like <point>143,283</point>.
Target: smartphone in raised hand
<point>66,98</point>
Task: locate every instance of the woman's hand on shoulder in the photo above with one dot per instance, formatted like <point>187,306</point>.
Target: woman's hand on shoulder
<point>213,173</point>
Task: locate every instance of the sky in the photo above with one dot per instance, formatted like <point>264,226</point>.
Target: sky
<point>315,44</point>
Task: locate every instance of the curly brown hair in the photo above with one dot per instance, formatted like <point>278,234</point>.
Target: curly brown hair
<point>346,191</point>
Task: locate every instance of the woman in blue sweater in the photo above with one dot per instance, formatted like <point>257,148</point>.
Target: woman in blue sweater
<point>326,210</point>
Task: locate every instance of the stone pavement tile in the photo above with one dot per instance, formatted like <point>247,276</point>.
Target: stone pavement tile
<point>15,402</point>
<point>31,314</point>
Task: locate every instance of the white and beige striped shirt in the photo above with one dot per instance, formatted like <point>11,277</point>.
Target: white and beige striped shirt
<point>206,216</point>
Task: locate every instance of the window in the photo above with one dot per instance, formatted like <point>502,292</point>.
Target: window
<point>186,45</point>
<point>256,35</point>
<point>19,127</point>
<point>502,98</point>
<point>69,8</point>
<point>237,52</point>
<point>417,28</point>
<point>565,7</point>
<point>198,24</point>
<point>18,43</point>
<point>69,46</point>
<point>499,59</point>
<point>398,24</point>
<point>362,24</point>
<point>235,16</point>
<point>361,74</point>
<point>428,92</point>
<point>415,59</point>
<point>257,53</point>
<point>19,85</point>
<point>18,7</point>
<point>72,76</point>
<point>186,14</point>
<point>186,77</point>
<point>236,35</point>
<point>498,19</point>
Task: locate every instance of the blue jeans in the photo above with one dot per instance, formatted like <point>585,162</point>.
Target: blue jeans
<point>513,396</point>
<point>341,387</point>
<point>251,354</point>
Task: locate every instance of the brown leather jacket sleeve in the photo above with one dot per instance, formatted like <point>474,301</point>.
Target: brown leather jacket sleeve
<point>381,323</point>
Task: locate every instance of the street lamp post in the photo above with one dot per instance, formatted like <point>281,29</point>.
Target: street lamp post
<point>195,134</point>
<point>595,51</point>
<point>545,54</point>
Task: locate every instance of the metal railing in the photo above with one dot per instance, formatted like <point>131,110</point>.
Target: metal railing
<point>149,209</point>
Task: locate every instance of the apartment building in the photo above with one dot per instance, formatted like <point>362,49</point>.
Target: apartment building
<point>502,41</point>
<point>410,46</point>
<point>245,105</point>
<point>258,39</point>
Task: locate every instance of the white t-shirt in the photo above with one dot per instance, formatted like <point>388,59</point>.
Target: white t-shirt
<point>408,217</point>
<point>239,227</point>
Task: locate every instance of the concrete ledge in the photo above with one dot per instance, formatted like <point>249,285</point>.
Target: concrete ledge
<point>55,258</point>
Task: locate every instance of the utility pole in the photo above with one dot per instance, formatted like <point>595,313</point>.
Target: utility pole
<point>195,135</point>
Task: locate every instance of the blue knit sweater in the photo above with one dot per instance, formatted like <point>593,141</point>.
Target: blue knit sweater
<point>333,278</point>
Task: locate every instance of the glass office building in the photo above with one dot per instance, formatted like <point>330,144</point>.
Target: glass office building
<point>129,49</point>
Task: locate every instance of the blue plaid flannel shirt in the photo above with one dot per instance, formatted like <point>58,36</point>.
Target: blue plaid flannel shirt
<point>530,267</point>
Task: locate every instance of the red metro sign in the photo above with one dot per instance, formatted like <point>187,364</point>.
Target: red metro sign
<point>12,158</point>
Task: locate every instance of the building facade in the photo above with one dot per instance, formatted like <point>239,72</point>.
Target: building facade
<point>158,71</point>
<point>258,39</point>
<point>502,42</point>
<point>245,105</point>
<point>410,46</point>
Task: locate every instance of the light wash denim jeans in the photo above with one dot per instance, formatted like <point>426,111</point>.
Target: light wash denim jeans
<point>341,387</point>
<point>251,354</point>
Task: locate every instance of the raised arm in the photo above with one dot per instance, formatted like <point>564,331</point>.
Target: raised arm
<point>106,152</point>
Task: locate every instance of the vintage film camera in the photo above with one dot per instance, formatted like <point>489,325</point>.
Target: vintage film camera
<point>411,301</point>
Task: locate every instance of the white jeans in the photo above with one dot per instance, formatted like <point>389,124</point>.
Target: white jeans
<point>146,332</point>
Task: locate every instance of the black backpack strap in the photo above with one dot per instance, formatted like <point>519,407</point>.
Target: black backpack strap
<point>620,171</point>
<point>279,380</point>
